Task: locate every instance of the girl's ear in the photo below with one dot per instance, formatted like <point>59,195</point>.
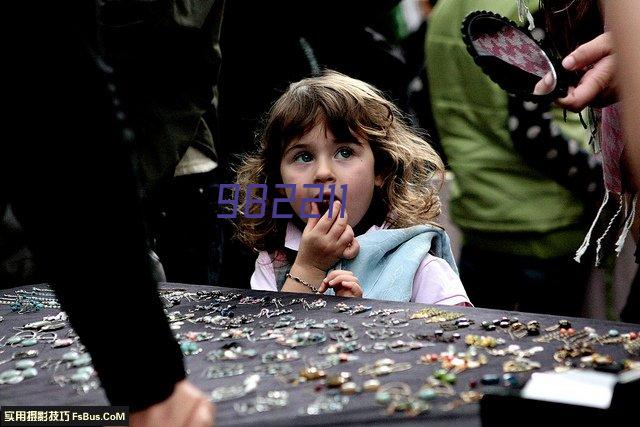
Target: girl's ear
<point>378,181</point>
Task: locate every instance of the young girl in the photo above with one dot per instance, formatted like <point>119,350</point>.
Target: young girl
<point>335,130</point>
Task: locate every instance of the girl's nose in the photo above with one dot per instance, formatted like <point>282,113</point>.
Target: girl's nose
<point>324,172</point>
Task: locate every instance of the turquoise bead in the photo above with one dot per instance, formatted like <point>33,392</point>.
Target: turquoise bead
<point>14,340</point>
<point>15,380</point>
<point>83,360</point>
<point>25,364</point>
<point>79,377</point>
<point>614,333</point>
<point>29,342</point>
<point>426,393</point>
<point>188,348</point>
<point>29,373</point>
<point>70,356</point>
<point>383,397</point>
<point>86,369</point>
<point>9,374</point>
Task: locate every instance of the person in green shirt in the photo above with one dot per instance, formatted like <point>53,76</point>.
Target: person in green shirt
<point>523,184</point>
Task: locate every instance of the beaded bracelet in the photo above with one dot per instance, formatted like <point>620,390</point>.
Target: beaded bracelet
<point>302,282</point>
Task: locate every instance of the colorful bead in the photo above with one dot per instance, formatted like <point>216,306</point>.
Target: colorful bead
<point>440,374</point>
<point>25,364</point>
<point>29,373</point>
<point>371,385</point>
<point>83,360</point>
<point>349,388</point>
<point>70,356</point>
<point>490,379</point>
<point>450,378</point>
<point>426,393</point>
<point>510,380</point>
<point>383,397</point>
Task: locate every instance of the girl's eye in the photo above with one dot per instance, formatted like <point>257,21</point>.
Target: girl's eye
<point>344,153</point>
<point>303,157</point>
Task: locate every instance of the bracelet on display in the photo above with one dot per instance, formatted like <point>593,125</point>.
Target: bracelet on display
<point>302,282</point>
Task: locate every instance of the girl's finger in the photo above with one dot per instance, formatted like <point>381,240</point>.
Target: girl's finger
<point>335,273</point>
<point>342,278</point>
<point>353,288</point>
<point>323,287</point>
<point>346,237</point>
<point>313,210</point>
<point>339,226</point>
<point>325,223</point>
<point>351,251</point>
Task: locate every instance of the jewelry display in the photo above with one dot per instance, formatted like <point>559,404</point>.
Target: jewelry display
<point>344,336</point>
<point>386,322</point>
<point>285,355</point>
<point>342,307</point>
<point>514,350</point>
<point>263,403</point>
<point>483,341</point>
<point>265,312</point>
<point>224,370</point>
<point>383,334</point>
<point>386,312</point>
<point>231,351</point>
<point>383,367</point>
<point>234,334</point>
<point>520,365</point>
<point>314,305</point>
<point>340,347</point>
<point>326,361</point>
<point>302,339</point>
<point>221,394</point>
<point>189,348</point>
<point>435,315</point>
<point>274,369</point>
<point>326,404</point>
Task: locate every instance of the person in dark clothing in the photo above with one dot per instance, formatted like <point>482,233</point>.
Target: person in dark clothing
<point>68,175</point>
<point>166,60</point>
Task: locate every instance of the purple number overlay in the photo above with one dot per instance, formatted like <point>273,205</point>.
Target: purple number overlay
<point>233,202</point>
<point>253,201</point>
<point>257,195</point>
<point>277,200</point>
<point>306,200</point>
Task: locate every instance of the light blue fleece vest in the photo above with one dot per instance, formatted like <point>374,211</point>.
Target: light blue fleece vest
<point>389,259</point>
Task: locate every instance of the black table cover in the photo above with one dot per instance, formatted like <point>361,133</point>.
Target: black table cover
<point>361,409</point>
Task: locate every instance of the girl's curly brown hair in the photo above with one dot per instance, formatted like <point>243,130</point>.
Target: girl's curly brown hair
<point>412,171</point>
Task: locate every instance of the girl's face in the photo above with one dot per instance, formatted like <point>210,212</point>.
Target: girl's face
<point>318,158</point>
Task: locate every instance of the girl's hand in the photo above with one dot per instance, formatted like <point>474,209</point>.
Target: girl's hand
<point>325,240</point>
<point>343,282</point>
